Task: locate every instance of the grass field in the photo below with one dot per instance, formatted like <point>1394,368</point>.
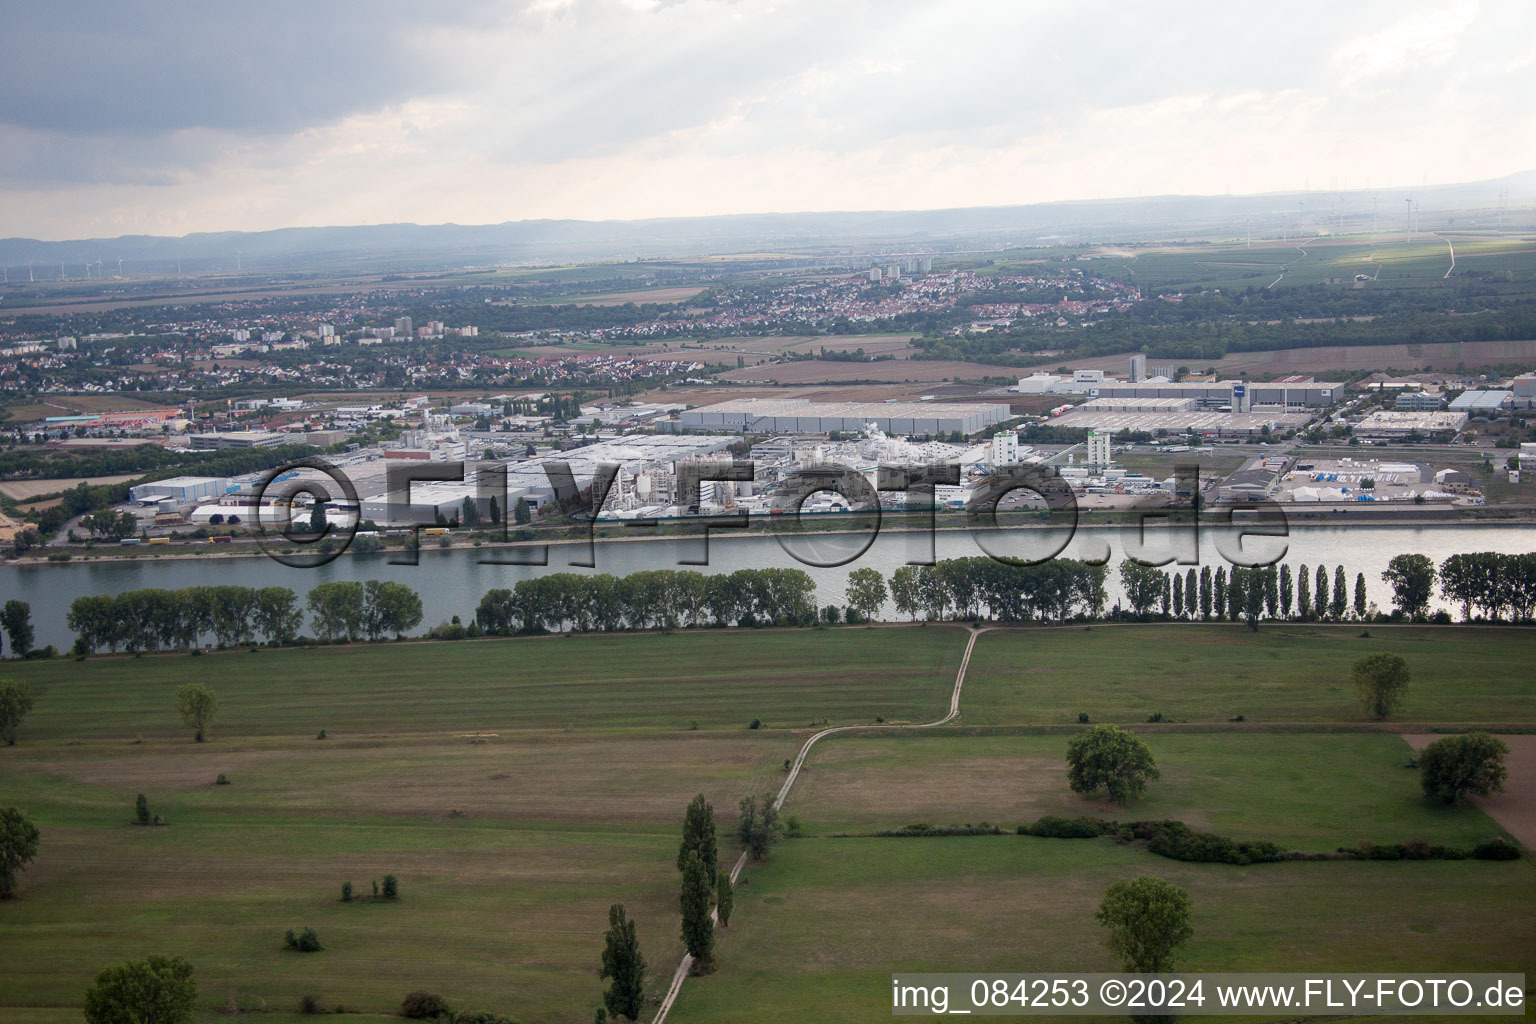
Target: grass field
<point>1306,792</point>
<point>821,925</point>
<point>655,682</point>
<point>1200,673</point>
<point>517,787</point>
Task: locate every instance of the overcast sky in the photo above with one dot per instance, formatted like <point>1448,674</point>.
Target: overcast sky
<point>167,118</point>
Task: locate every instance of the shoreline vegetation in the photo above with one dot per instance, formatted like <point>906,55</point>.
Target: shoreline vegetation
<point>466,537</point>
<point>1490,588</point>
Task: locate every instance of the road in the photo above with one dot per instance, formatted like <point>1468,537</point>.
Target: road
<point>683,968</point>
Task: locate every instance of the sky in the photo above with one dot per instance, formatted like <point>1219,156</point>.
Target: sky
<point>168,117</point>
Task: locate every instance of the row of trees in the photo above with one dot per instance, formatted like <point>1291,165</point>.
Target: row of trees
<point>660,598</point>
<point>1058,590</point>
<point>153,618</point>
<point>1246,594</point>
<point>1495,586</point>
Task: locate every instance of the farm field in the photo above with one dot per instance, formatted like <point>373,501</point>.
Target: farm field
<point>1401,358</point>
<point>1386,260</point>
<point>1211,673</point>
<point>22,490</point>
<point>517,787</point>
<point>1307,791</point>
<point>813,371</point>
<point>822,923</point>
<point>512,813</point>
<point>717,679</point>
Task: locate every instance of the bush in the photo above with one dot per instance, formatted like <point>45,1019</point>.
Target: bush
<point>1052,827</point>
<point>309,1004</point>
<point>321,736</point>
<point>1496,848</point>
<point>141,810</point>
<point>346,892</point>
<point>757,723</point>
<point>931,831</point>
<point>222,780</point>
<point>391,888</point>
<point>481,1017</point>
<point>305,942</point>
<point>420,1005</point>
<point>1082,718</point>
<point>1468,764</point>
<point>1177,841</point>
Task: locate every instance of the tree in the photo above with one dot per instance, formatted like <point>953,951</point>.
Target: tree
<point>1360,599</point>
<point>317,521</point>
<point>1467,764</point>
<point>1219,592</point>
<point>699,836</point>
<point>866,592</point>
<point>277,614</point>
<point>1112,759</point>
<point>495,510</point>
<point>1287,591</point>
<point>1303,594</point>
<point>1148,920</point>
<point>1253,597</point>
<point>1380,680</point>
<point>522,515</point>
<point>389,608</point>
<point>156,990</point>
<point>725,898</point>
<point>1191,593</point>
<point>1142,583</point>
<point>197,705</point>
<point>338,610</point>
<point>758,828</point>
<point>1178,595</point>
<point>904,590</point>
<point>698,927</point>
<point>141,809</point>
<point>16,620</point>
<point>15,702</point>
<point>1412,579</point>
<point>469,515</point>
<point>1340,604</point>
<point>1320,592</point>
<point>623,965</point>
<point>18,846</point>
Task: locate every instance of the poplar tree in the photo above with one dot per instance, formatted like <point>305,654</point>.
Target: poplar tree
<point>699,837</point>
<point>623,964</point>
<point>698,927</point>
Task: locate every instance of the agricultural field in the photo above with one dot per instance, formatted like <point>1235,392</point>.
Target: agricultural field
<point>517,787</point>
<point>820,926</point>
<point>1386,260</point>
<point>1208,674</point>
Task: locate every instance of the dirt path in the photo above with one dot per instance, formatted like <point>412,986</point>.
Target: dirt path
<point>794,772</point>
<point>1515,806</point>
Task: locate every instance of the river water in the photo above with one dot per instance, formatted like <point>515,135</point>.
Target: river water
<point>451,581</point>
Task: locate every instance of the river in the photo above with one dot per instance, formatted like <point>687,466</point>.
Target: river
<point>452,580</point>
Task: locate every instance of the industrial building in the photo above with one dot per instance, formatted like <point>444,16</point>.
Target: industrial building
<point>1178,415</point>
<point>1419,401</point>
<point>241,439</point>
<point>803,416</point>
<point>647,469</point>
<point>1401,424</point>
<point>1209,394</point>
<point>1481,403</point>
<point>182,490</point>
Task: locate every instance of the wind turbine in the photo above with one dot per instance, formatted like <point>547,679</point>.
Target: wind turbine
<point>119,266</point>
<point>1409,201</point>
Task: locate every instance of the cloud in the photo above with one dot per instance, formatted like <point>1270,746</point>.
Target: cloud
<point>171,118</point>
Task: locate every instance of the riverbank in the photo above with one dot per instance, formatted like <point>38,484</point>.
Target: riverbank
<point>1214,519</point>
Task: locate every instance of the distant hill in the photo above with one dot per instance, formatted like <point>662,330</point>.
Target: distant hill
<point>384,247</point>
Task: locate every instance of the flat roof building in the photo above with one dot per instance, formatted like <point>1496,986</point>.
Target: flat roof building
<point>802,416</point>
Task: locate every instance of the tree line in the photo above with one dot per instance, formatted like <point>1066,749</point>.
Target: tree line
<point>154,619</point>
<point>652,599</point>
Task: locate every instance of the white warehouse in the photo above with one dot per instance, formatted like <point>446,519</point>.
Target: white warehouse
<point>802,416</point>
